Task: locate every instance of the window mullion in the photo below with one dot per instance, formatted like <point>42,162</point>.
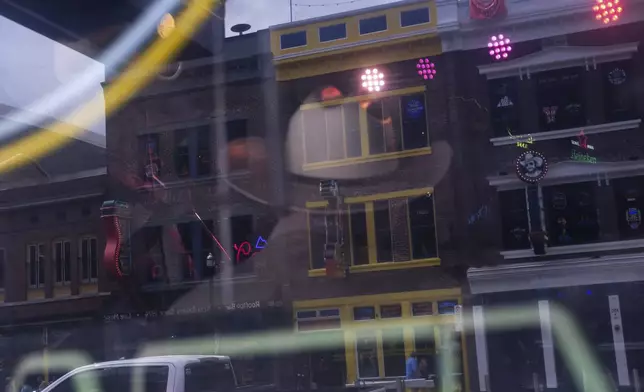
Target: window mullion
<point>364,129</point>
<point>371,232</point>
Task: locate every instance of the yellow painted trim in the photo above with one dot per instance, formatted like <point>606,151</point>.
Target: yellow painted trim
<point>350,357</point>
<point>364,141</point>
<point>308,230</point>
<point>316,204</point>
<point>371,233</point>
<point>363,125</point>
<point>390,266</point>
<point>390,195</point>
<point>366,97</point>
<point>425,295</point>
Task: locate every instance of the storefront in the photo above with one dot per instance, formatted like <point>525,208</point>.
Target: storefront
<point>371,336</point>
<point>598,299</point>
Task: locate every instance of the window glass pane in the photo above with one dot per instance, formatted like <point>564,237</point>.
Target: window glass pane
<point>560,99</point>
<point>203,151</point>
<point>149,156</point>
<point>317,237</point>
<point>359,234</point>
<point>629,202</point>
<point>293,40</point>
<point>514,219</point>
<point>330,313</point>
<point>375,128</point>
<point>209,376</point>
<point>618,90</point>
<point>422,309</point>
<point>319,324</point>
<point>393,351</point>
<point>351,113</point>
<point>364,313</point>
<point>399,216</point>
<point>571,214</point>
<point>425,347</point>
<point>414,17</point>
<point>423,230</point>
<point>85,259</point>
<point>67,253</point>
<point>182,153</point>
<point>315,137</point>
<point>58,261</point>
<point>33,266</point>
<point>236,134</point>
<point>367,348</point>
<point>333,32</point>
<point>93,258</point>
<point>306,314</point>
<point>504,106</point>
<point>384,242</point>
<point>41,264</point>
<point>414,121</point>
<point>335,132</point>
<point>392,124</point>
<point>2,268</point>
<point>373,25</point>
<point>390,311</point>
<point>328,364</point>
<point>447,307</point>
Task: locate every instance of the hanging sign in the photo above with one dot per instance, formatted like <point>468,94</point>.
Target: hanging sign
<point>531,167</point>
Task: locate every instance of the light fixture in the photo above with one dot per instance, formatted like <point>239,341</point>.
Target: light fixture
<point>426,69</point>
<point>607,11</point>
<point>372,79</point>
<point>499,47</point>
<point>166,26</point>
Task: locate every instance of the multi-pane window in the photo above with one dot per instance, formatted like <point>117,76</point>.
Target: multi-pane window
<point>36,265</point>
<point>390,124</point>
<point>618,90</point>
<point>403,229</point>
<point>571,214</point>
<point>514,219</point>
<point>182,153</point>
<point>192,155</point>
<point>504,106</point>
<point>3,265</point>
<point>88,259</point>
<point>560,99</point>
<point>62,262</point>
<point>149,157</point>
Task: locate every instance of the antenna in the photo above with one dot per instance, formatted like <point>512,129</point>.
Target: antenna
<point>240,28</point>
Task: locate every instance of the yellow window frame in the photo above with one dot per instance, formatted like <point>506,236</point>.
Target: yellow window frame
<point>407,322</point>
<point>365,157</point>
<point>373,264</point>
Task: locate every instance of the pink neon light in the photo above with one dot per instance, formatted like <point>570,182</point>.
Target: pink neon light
<point>499,47</point>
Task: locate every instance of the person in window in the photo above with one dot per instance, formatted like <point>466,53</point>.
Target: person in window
<point>411,367</point>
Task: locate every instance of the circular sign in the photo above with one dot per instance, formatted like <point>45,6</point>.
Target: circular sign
<point>531,167</point>
<point>415,108</point>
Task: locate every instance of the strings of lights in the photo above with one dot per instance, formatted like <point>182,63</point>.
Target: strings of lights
<point>607,11</point>
<point>327,4</point>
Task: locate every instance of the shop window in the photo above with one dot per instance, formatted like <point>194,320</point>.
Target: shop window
<point>629,203</point>
<point>397,124</point>
<point>393,351</point>
<point>361,313</point>
<point>504,106</point>
<point>422,226</point>
<point>3,264</point>
<point>422,309</point>
<point>571,214</point>
<point>317,238</point>
<point>514,219</point>
<point>333,32</point>
<point>618,90</point>
<point>328,365</point>
<point>390,311</point>
<point>383,231</point>
<point>373,25</point>
<point>36,262</point>
<point>149,157</point>
<point>425,347</point>
<point>414,17</point>
<point>367,350</point>
<point>88,259</point>
<point>293,40</point>
<point>62,262</point>
<point>560,99</point>
<point>359,245</point>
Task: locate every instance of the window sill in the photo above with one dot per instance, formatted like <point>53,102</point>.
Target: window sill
<point>383,266</point>
<point>367,159</point>
<point>567,133</point>
<point>575,249</point>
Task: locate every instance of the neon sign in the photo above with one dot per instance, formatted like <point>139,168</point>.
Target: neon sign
<point>246,250</point>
